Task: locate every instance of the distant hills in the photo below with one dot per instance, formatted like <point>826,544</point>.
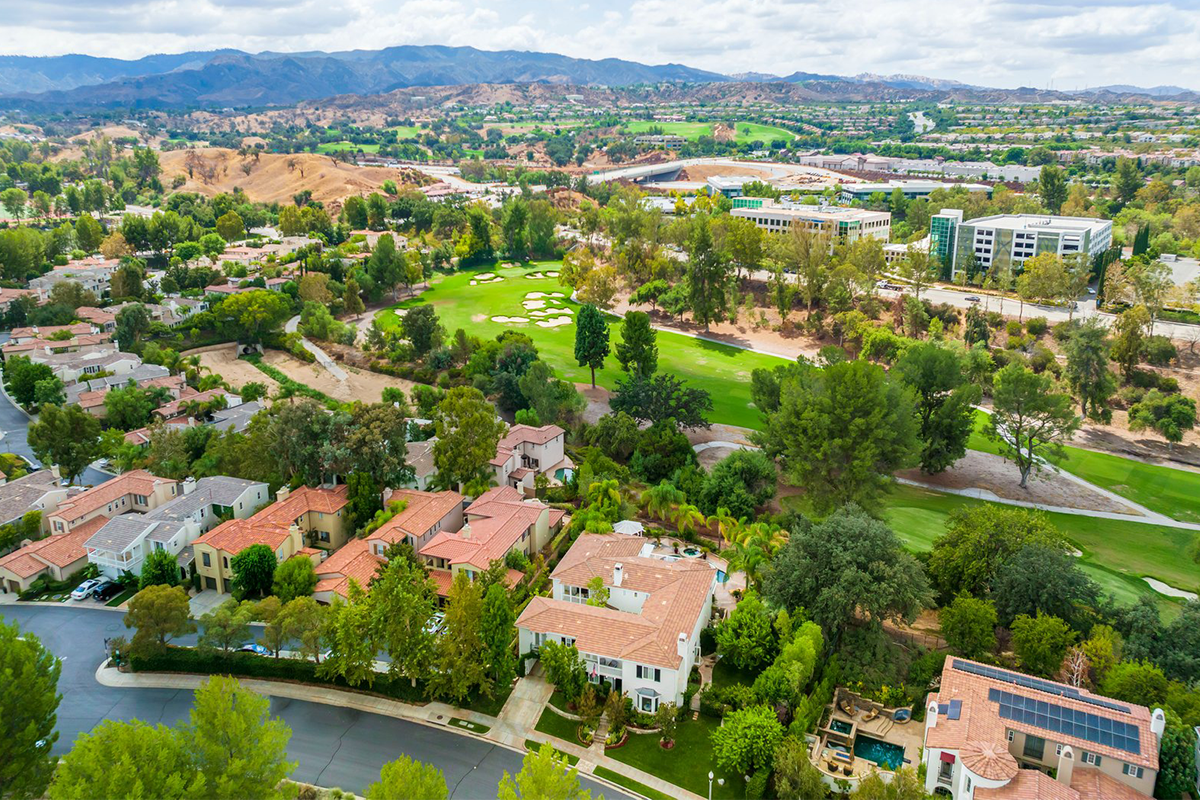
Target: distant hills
<point>232,78</point>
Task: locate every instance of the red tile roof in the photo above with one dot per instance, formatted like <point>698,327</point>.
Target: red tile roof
<point>60,550</point>
<point>137,481</point>
<point>422,511</point>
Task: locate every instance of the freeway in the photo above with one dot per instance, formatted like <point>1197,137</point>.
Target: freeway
<point>332,746</point>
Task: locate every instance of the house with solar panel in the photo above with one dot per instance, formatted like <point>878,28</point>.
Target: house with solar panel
<point>995,734</point>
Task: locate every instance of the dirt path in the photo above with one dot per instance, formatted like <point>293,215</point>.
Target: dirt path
<point>359,384</point>
<point>237,373</point>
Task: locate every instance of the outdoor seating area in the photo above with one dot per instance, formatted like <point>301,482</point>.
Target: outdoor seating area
<point>860,735</point>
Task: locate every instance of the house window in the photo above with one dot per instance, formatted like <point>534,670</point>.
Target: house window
<point>323,536</point>
<point>207,561</point>
<point>158,545</point>
<point>649,673</point>
<point>1035,746</point>
<point>1091,758</point>
<point>1058,749</point>
<point>648,704</point>
<point>225,561</point>
<point>1132,771</point>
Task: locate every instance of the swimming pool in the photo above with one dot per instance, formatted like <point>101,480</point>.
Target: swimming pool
<point>885,754</point>
<point>840,725</point>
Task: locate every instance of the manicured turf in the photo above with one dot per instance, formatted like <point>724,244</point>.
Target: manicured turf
<point>687,764</point>
<point>554,724</point>
<point>631,784</point>
<point>688,130</point>
<point>337,147</point>
<point>1173,492</point>
<point>531,744</point>
<point>406,131</point>
<point>1115,553</point>
<point>722,370</point>
<point>762,133</point>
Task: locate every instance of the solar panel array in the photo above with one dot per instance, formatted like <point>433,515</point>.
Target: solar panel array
<point>1017,679</point>
<point>1079,724</point>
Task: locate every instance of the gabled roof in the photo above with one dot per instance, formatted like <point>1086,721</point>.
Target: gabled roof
<point>495,523</point>
<point>137,481</point>
<point>18,495</point>
<point>354,561</point>
<point>60,550</point>
<point>678,593</point>
<point>235,535</point>
<point>422,512</point>
<point>271,526</point>
<point>120,533</point>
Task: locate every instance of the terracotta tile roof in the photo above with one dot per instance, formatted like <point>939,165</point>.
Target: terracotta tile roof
<point>60,550</point>
<point>1092,784</point>
<point>980,721</point>
<point>1028,784</point>
<point>271,525</point>
<point>527,434</point>
<point>422,511</point>
<point>235,535</point>
<point>679,593</point>
<point>495,523</point>
<point>354,561</point>
<point>990,760</point>
<point>137,481</point>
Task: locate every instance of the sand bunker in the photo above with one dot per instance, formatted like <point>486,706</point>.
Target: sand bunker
<point>485,276</point>
<point>539,295</point>
<point>507,320</point>
<point>532,304</point>
<point>548,312</point>
<point>553,274</point>
<point>554,323</point>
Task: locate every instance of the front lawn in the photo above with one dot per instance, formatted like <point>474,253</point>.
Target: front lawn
<point>722,370</point>
<point>687,764</point>
<point>630,783</point>
<point>554,724</point>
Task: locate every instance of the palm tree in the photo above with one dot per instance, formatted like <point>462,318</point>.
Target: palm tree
<point>687,518</point>
<point>658,501</point>
<point>724,522</point>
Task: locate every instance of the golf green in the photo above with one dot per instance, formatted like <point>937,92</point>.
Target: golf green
<point>490,307</point>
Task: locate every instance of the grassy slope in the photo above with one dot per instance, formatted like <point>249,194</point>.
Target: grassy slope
<point>335,147</point>
<point>1168,491</point>
<point>762,133</point>
<point>1116,554</point>
<point>723,370</point>
<point>684,765</point>
<point>688,130</point>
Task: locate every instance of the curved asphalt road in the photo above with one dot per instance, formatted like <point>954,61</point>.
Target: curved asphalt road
<point>332,746</point>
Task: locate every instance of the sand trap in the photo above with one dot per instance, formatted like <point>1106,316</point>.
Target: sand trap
<point>553,274</point>
<point>540,295</point>
<point>535,275</point>
<point>485,276</point>
<point>554,323</point>
<point>532,304</point>
<point>507,320</point>
<point>549,312</point>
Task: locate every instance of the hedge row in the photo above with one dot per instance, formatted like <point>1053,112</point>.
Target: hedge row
<point>249,665</point>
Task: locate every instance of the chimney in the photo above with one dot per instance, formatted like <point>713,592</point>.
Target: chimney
<point>466,530</point>
<point>282,494</point>
<point>1066,765</point>
<point>189,485</point>
<point>931,714</point>
<point>618,572</point>
<point>1158,724</point>
<point>682,646</point>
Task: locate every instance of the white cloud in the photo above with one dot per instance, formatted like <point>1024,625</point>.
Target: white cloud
<point>991,42</point>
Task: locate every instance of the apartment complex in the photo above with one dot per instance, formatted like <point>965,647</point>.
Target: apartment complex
<point>646,638</point>
<point>996,734</point>
<point>840,225</point>
<point>1006,241</point>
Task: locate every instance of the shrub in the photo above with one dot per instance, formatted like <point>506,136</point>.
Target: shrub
<point>1160,351</point>
<point>1037,325</point>
<point>1013,327</point>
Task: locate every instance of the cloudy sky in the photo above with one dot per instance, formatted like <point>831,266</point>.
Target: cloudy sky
<point>1066,44</point>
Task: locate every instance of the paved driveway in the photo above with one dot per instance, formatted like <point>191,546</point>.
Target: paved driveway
<point>333,746</point>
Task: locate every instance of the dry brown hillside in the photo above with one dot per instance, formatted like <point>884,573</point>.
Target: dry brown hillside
<point>271,177</point>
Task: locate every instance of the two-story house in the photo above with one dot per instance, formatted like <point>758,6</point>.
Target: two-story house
<point>994,734</point>
<point>124,541</point>
<point>526,452</point>
<point>319,514</point>
<point>646,637</point>
<point>133,491</point>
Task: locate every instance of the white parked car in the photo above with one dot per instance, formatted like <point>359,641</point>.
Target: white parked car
<point>85,589</point>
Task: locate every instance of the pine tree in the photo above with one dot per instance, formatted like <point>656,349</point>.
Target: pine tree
<point>591,339</point>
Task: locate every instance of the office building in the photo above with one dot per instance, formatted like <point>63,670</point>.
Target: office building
<point>1006,241</point>
<point>841,225</point>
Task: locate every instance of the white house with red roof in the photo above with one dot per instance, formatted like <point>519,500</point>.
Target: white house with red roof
<point>526,452</point>
<point>995,734</point>
<point>645,639</point>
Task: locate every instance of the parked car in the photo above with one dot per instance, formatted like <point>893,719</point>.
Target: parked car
<point>257,649</point>
<point>973,298</point>
<point>436,623</point>
<point>103,584</point>
<point>107,592</point>
<point>84,589</point>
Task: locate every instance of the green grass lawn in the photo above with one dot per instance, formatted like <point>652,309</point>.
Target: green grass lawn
<point>1173,492</point>
<point>631,784</point>
<point>688,130</point>
<point>406,131</point>
<point>337,147</point>
<point>554,724</point>
<point>726,674</point>
<point>763,133</point>
<point>687,764</point>
<point>530,744</point>
<point>122,597</point>
<point>721,369</point>
<point>1115,553</point>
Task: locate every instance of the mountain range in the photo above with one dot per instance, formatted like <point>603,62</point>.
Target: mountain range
<point>232,78</point>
